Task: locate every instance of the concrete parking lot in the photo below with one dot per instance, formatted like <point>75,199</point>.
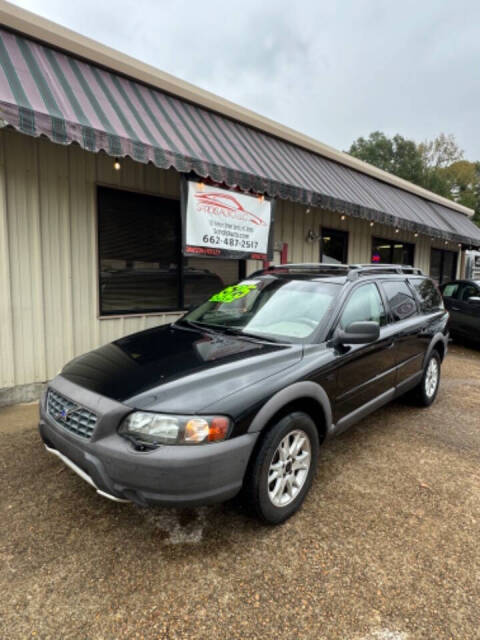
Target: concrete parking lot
<point>386,546</point>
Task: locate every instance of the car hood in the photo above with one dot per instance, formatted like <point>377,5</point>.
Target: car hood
<point>176,368</point>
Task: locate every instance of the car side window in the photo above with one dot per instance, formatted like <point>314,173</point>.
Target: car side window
<point>400,299</point>
<point>467,291</point>
<point>450,290</point>
<point>429,295</point>
<point>365,304</point>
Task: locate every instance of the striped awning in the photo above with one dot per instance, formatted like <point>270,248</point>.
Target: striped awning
<point>45,91</point>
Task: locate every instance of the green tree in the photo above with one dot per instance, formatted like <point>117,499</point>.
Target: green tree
<point>425,164</point>
<point>464,181</point>
<point>396,155</point>
<point>437,165</point>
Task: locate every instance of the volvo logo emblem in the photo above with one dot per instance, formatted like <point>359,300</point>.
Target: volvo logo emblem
<point>64,414</point>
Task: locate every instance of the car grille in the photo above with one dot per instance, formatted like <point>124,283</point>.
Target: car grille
<point>70,415</point>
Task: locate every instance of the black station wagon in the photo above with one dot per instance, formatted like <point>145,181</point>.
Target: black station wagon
<point>239,393</point>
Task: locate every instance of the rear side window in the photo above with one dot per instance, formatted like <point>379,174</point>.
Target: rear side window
<point>400,299</point>
<point>450,290</point>
<point>365,304</point>
<point>430,297</point>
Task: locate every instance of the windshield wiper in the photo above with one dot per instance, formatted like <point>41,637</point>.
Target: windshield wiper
<point>220,328</point>
<point>197,325</point>
<point>240,332</point>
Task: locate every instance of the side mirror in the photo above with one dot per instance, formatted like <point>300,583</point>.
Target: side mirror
<point>358,333</point>
<point>474,299</point>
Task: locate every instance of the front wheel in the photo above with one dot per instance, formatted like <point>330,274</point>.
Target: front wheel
<point>426,391</point>
<point>282,471</point>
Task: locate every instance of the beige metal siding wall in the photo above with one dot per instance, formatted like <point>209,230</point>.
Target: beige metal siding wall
<point>48,251</point>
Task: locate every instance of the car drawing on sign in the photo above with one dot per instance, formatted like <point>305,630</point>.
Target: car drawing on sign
<point>227,205</point>
<point>238,395</point>
<point>462,300</point>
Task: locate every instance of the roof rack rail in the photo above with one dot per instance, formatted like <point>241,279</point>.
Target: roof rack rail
<point>352,271</point>
<point>305,267</point>
<point>356,270</point>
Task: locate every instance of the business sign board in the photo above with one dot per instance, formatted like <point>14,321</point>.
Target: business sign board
<point>218,223</point>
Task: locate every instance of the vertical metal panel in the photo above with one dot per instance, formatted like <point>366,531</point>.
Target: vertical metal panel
<point>48,251</point>
<point>7,368</point>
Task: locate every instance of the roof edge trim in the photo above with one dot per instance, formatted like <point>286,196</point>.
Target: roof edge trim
<point>61,37</point>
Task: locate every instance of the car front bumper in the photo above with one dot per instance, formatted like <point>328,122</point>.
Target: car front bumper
<point>173,475</point>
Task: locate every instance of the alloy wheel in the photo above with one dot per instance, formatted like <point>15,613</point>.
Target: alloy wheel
<point>289,468</point>
<point>431,378</point>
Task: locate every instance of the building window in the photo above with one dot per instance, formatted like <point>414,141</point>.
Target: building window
<point>443,265</point>
<point>392,252</point>
<point>205,276</point>
<point>334,246</point>
<point>141,269</point>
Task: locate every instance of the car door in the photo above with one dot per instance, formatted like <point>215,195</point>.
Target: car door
<point>449,293</point>
<point>467,312</point>
<point>365,371</point>
<point>407,323</point>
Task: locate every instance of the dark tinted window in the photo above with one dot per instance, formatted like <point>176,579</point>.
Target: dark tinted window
<point>364,305</point>
<point>467,291</point>
<point>139,252</point>
<point>430,297</point>
<point>333,246</point>
<point>139,255</point>
<point>400,299</point>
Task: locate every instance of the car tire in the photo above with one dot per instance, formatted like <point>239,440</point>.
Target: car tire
<point>426,391</point>
<point>283,467</point>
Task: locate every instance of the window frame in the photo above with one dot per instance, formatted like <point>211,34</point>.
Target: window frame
<point>392,243</point>
<point>182,260</point>
<point>339,232</point>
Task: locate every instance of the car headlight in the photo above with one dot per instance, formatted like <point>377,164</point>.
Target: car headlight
<point>162,428</point>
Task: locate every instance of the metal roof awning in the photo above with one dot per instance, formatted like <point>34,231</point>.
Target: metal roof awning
<point>44,91</point>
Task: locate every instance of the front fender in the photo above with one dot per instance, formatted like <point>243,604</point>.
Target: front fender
<point>296,391</point>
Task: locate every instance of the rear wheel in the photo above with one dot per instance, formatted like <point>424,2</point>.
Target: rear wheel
<point>426,391</point>
<point>283,468</point>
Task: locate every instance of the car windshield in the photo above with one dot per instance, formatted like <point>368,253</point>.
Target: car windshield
<point>268,307</point>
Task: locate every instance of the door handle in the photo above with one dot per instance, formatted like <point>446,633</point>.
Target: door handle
<point>455,308</point>
<point>390,345</point>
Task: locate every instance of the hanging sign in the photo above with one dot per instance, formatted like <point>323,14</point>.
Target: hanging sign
<point>219,223</point>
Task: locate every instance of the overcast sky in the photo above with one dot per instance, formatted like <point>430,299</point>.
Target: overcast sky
<point>333,70</point>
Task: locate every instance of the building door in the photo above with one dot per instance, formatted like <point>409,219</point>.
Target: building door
<point>334,246</point>
<point>443,265</point>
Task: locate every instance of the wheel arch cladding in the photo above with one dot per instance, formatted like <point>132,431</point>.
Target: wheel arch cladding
<point>305,396</point>
<point>438,342</point>
<point>440,347</point>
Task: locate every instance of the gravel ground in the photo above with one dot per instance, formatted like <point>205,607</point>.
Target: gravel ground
<point>385,548</point>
